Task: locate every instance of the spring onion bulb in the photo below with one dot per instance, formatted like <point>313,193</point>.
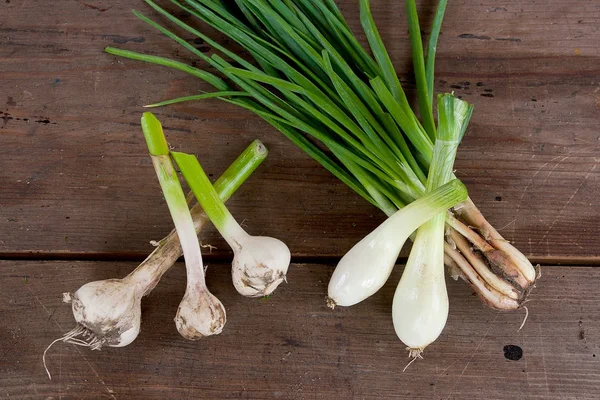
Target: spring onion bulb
<point>200,313</point>
<point>108,312</point>
<point>420,306</point>
<point>367,266</point>
<point>260,263</point>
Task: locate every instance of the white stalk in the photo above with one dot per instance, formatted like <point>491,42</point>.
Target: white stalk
<point>200,313</point>
<point>260,263</point>
<point>367,266</point>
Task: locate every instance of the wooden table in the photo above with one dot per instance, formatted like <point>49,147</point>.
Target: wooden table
<point>79,202</point>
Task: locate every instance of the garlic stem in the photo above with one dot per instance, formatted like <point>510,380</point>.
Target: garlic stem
<point>169,248</point>
<point>260,263</point>
<point>200,313</point>
<point>146,276</point>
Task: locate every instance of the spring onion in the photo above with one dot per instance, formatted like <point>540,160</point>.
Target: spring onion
<point>108,312</point>
<point>313,81</point>
<point>420,306</point>
<point>260,263</point>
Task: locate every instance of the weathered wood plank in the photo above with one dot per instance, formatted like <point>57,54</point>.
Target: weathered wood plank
<point>292,346</point>
<point>76,178</point>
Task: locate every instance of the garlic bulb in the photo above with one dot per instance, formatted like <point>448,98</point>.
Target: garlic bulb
<point>110,310</point>
<point>199,314</point>
<point>260,263</point>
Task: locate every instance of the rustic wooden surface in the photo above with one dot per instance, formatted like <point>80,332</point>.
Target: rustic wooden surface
<point>74,157</point>
<point>292,346</point>
<point>76,184</point>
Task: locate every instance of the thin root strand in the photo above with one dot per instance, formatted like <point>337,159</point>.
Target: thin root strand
<point>210,247</point>
<point>414,354</point>
<point>524,319</point>
<point>86,338</point>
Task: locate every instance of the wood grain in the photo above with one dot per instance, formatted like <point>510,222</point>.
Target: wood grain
<point>76,180</point>
<point>76,183</point>
<point>291,346</point>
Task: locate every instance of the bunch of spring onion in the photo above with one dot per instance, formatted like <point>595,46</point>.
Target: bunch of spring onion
<point>108,312</point>
<point>420,307</point>
<point>311,79</point>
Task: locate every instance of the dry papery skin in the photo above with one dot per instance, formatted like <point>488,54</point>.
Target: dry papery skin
<point>500,274</point>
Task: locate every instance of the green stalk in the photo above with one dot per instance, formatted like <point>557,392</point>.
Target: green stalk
<point>441,169</point>
<point>166,62</point>
<point>411,127</point>
<point>212,95</point>
<point>174,196</point>
<point>381,55</point>
<point>243,166</point>
<point>448,137</point>
<point>155,139</point>
<point>311,149</point>
<point>169,248</point>
<point>438,200</point>
<point>416,44</point>
<point>204,191</point>
<point>432,45</point>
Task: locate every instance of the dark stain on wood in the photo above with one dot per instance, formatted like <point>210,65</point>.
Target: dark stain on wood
<point>93,7</point>
<point>293,343</point>
<point>120,39</point>
<point>513,352</point>
<point>508,39</point>
<point>581,331</point>
<point>472,36</point>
